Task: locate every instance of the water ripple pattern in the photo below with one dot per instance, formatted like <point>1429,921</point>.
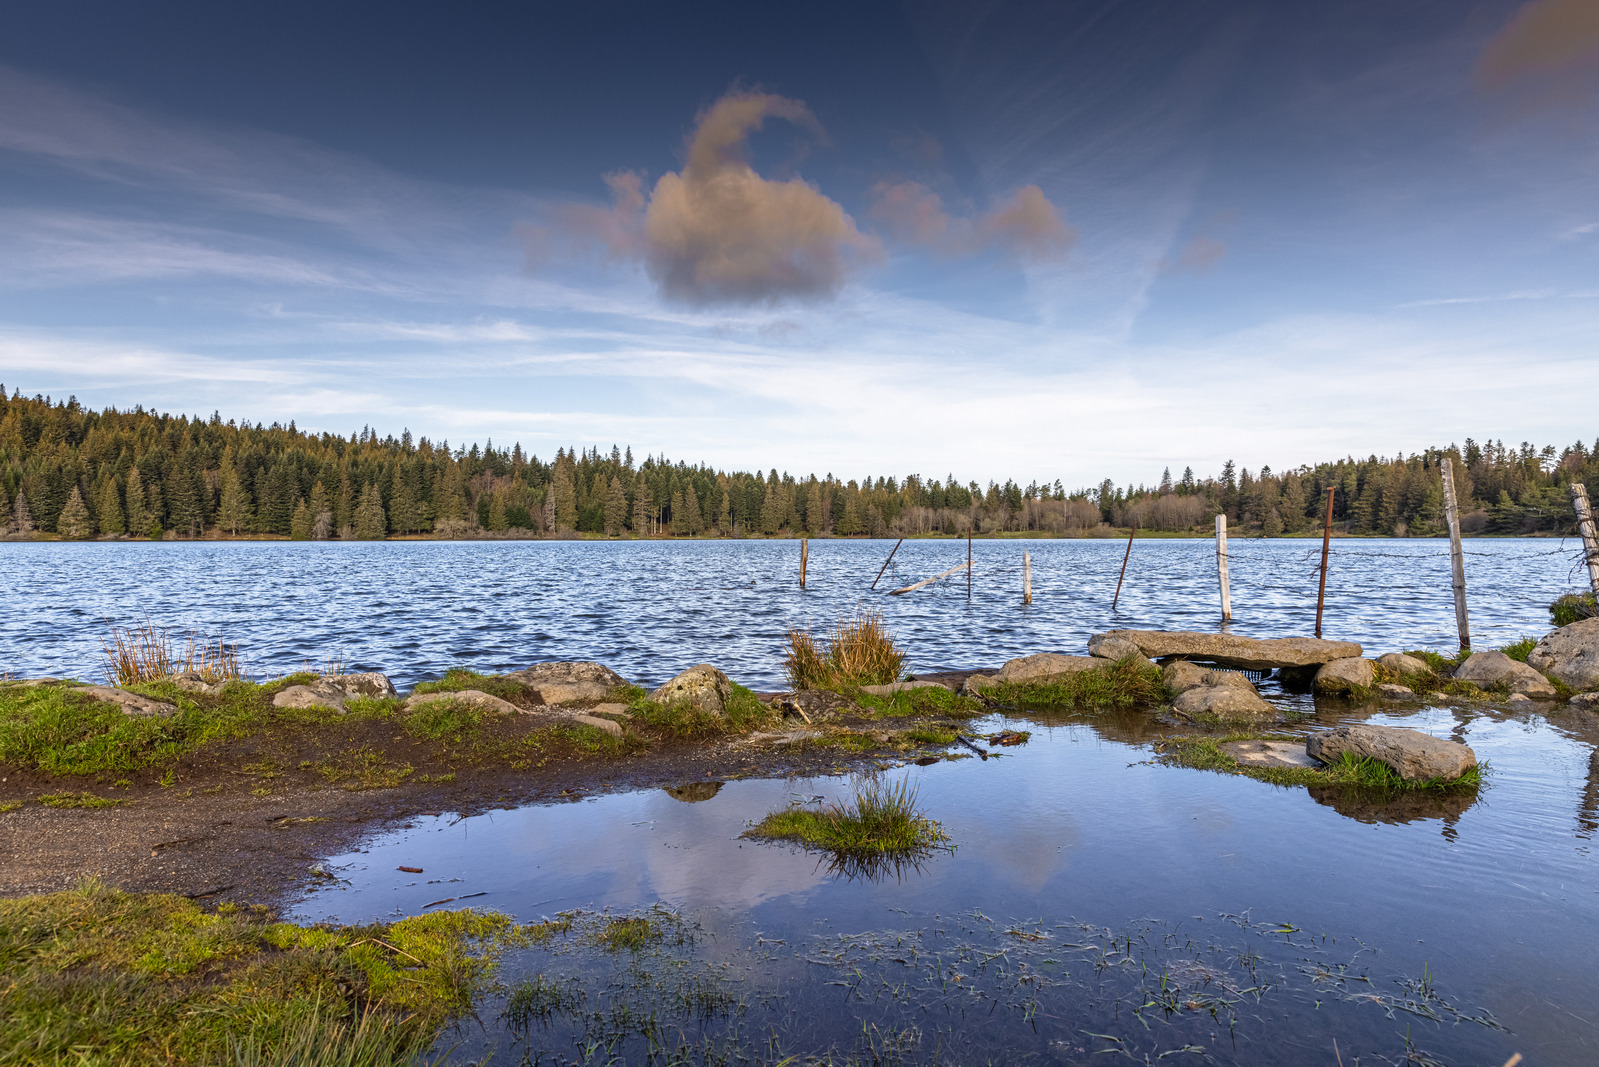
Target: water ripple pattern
<point>651,608</point>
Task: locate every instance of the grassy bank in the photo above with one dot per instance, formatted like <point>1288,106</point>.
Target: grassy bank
<point>99,975</point>
<point>1125,683</point>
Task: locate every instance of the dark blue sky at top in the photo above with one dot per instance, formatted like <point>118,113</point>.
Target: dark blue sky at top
<point>1267,189</point>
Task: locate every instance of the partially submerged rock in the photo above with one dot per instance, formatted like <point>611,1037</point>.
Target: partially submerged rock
<point>1343,675</point>
<point>568,682</point>
<point>1045,667</point>
<point>1413,755</point>
<point>1586,702</point>
<point>473,697</point>
<point>1571,654</point>
<point>1496,670</point>
<point>1401,664</point>
<point>1227,703</point>
<point>1114,648</point>
<point>900,687</point>
<point>701,686</point>
<point>1180,676</point>
<point>131,703</point>
<point>1229,650</point>
<point>1268,753</point>
<point>1389,691</point>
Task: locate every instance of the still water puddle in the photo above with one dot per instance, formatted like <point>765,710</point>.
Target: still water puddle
<point>1095,903</point>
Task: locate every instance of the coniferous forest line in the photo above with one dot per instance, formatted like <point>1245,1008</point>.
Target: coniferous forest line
<point>72,473</point>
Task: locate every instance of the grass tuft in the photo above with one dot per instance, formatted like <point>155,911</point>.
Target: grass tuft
<point>883,822</point>
<point>1573,607</point>
<point>857,651</point>
<point>77,800</point>
<point>1521,649</point>
<point>1124,683</point>
<point>138,654</point>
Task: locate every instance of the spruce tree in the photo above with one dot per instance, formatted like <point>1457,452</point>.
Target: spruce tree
<point>643,509</point>
<point>615,507</point>
<point>21,517</point>
<point>234,513</point>
<point>73,522</point>
<point>321,506</point>
<point>138,514</point>
<point>370,522</point>
<point>693,521</point>
<point>110,507</point>
<point>301,522</point>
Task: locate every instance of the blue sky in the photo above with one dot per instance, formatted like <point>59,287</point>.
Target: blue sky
<point>1067,240</point>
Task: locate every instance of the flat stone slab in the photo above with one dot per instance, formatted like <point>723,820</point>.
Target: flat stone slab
<point>1228,650</point>
<point>1268,753</point>
<point>900,687</point>
<point>610,726</point>
<point>131,703</point>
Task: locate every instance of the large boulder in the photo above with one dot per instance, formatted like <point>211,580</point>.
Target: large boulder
<point>474,697</point>
<point>568,683</point>
<point>1571,654</point>
<point>701,686</point>
<point>1342,675</point>
<point>319,694</point>
<point>1045,667</point>
<point>367,684</point>
<point>1413,755</point>
<point>131,703</point>
<point>1495,670</point>
<point>1114,648</point>
<point>1227,703</point>
<point>1229,650</point>
<point>1403,665</point>
<point>1180,676</point>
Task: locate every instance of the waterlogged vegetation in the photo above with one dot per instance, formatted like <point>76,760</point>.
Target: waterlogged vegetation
<point>1206,752</point>
<point>881,826</point>
<point>147,978</point>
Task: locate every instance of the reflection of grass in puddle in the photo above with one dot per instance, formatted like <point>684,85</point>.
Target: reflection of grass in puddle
<point>969,989</point>
<point>882,830</point>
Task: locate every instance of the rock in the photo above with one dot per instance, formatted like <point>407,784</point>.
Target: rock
<point>1115,648</point>
<point>569,683</point>
<point>1571,654</point>
<point>1413,755</point>
<point>1438,698</point>
<point>1520,698</point>
<point>473,697</point>
<point>1369,806</point>
<point>1268,753</point>
<point>899,687</point>
<point>319,694</point>
<point>1342,675</point>
<point>701,686</point>
<point>131,703</point>
<point>1180,676</point>
<point>1225,702</point>
<point>1389,691</point>
<point>610,726</point>
<point>816,705</point>
<point>1496,670</point>
<point>194,682</point>
<point>1401,664</point>
<point>786,737</point>
<point>1046,667</point>
<point>369,684</point>
<point>976,683</point>
<point>1229,650</point>
<point>1585,701</point>
<point>619,710</point>
<point>694,792</point>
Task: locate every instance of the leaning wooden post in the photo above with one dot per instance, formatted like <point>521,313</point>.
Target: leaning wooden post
<point>1027,578</point>
<point>1457,557</point>
<point>1585,527</point>
<point>886,562</point>
<point>805,556</point>
<point>1130,531</point>
<point>1326,543</point>
<point>968,563</point>
<point>1221,568</point>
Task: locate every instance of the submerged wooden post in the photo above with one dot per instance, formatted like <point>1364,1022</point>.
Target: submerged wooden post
<point>886,562</point>
<point>968,563</point>
<point>1027,578</point>
<point>1457,557</point>
<point>805,556</point>
<point>1221,568</point>
<point>1585,527</point>
<point>1130,531</point>
<point>1326,543</point>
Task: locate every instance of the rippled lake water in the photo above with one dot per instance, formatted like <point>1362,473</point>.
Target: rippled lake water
<point>650,608</point>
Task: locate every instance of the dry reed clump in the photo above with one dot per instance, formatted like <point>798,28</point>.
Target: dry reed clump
<point>138,654</point>
<point>856,651</point>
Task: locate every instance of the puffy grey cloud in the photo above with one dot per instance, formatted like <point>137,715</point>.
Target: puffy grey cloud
<point>1026,224</point>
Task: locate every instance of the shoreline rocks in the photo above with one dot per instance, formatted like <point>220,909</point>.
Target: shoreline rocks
<point>1571,654</point>
<point>1413,755</point>
<point>568,682</point>
<point>1343,675</point>
<point>1229,650</point>
<point>1490,669</point>
<point>131,703</point>
<point>474,697</point>
<point>1226,702</point>
<point>701,686</point>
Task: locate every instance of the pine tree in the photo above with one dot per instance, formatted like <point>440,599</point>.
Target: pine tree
<point>138,515</point>
<point>321,513</point>
<point>643,509</point>
<point>615,507</point>
<point>1272,524</point>
<point>344,511</point>
<point>234,513</point>
<point>693,521</point>
<point>772,509</point>
<point>849,523</point>
<point>497,517</point>
<point>370,522</point>
<point>5,501</point>
<point>676,523</point>
<point>110,507</point>
<point>564,493</point>
<point>73,522</point>
<point>301,521</point>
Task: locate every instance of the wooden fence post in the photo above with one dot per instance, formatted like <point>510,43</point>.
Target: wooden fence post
<point>1457,556</point>
<point>805,557</point>
<point>968,563</point>
<point>1326,543</point>
<point>1132,529</point>
<point>1027,578</point>
<point>1585,527</point>
<point>886,562</point>
<point>1221,568</point>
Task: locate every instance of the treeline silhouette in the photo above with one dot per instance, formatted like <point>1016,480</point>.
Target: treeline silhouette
<point>75,473</point>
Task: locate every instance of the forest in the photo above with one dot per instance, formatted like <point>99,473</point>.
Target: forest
<point>71,473</point>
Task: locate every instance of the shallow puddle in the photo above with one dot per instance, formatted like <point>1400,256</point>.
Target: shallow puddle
<point>1095,902</point>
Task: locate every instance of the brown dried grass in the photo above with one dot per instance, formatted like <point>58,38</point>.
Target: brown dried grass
<point>858,650</point>
<point>138,654</point>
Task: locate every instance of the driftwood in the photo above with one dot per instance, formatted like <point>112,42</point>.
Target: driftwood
<point>930,581</point>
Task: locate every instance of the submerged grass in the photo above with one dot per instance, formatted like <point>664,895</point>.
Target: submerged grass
<point>857,651</point>
<point>1206,754</point>
<point>882,820</point>
<point>1124,683</point>
<point>150,978</point>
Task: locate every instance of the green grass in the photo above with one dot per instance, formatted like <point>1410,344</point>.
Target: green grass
<point>77,800</point>
<point>1571,608</point>
<point>1126,683</point>
<point>923,700</point>
<point>363,768</point>
<point>459,678</point>
<point>149,978</point>
<point>743,712</point>
<point>930,736</point>
<point>882,820</point>
<point>628,934</point>
<point>1206,754</point>
<point>1520,650</point>
<point>451,721</point>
